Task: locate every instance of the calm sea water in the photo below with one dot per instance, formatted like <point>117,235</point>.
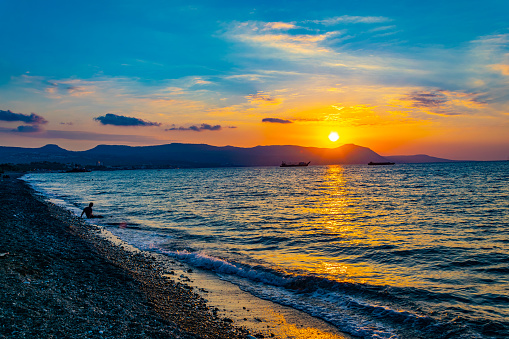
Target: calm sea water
<point>404,251</point>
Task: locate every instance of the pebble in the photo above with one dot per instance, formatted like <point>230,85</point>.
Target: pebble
<point>121,288</point>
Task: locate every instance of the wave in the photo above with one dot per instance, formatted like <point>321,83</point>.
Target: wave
<point>218,265</point>
<point>496,270</point>
<point>359,309</point>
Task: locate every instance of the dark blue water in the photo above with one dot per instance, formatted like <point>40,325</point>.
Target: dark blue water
<point>404,251</point>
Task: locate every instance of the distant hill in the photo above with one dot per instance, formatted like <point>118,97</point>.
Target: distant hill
<point>20,155</point>
<point>415,159</point>
<point>201,155</point>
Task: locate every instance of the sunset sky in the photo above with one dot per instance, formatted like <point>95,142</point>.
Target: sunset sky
<point>399,77</point>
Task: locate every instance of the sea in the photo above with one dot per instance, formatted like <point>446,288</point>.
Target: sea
<point>403,251</point>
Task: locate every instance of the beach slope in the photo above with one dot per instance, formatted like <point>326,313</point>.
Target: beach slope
<point>60,279</point>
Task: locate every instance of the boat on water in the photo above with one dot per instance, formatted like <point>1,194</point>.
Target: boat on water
<point>299,164</point>
<point>381,163</point>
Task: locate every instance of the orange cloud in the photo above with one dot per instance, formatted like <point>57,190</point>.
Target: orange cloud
<point>353,116</point>
<point>504,69</point>
<point>279,26</point>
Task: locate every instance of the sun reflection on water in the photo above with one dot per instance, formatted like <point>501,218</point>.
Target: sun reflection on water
<point>348,216</point>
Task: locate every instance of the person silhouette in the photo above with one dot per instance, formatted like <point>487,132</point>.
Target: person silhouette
<point>88,212</point>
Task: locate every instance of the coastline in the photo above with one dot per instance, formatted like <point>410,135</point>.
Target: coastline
<point>64,277</point>
<point>60,279</point>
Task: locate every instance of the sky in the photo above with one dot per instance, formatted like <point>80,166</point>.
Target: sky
<point>399,77</point>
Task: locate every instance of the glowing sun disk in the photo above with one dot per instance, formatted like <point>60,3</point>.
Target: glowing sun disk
<point>333,136</point>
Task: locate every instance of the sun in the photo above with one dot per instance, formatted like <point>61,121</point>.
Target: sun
<point>333,136</point>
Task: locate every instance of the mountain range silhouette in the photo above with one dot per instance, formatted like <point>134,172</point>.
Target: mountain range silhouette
<point>202,155</point>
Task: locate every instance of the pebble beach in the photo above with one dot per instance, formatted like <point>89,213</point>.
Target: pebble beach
<point>60,279</point>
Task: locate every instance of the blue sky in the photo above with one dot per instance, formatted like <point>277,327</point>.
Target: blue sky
<point>400,77</point>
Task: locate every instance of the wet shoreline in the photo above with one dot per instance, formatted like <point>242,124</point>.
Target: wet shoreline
<point>60,279</point>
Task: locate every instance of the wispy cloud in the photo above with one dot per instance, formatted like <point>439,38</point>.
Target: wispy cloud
<point>58,89</point>
<point>445,103</point>
<point>428,99</point>
<point>382,28</point>
<point>279,36</point>
<point>261,98</point>
<point>349,19</point>
<point>120,120</point>
<point>308,48</point>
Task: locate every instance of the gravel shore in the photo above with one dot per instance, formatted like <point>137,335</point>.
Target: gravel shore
<point>60,279</point>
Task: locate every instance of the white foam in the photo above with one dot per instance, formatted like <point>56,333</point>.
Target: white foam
<point>333,307</point>
<point>218,265</point>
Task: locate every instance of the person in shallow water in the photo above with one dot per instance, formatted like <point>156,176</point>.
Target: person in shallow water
<point>88,212</point>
